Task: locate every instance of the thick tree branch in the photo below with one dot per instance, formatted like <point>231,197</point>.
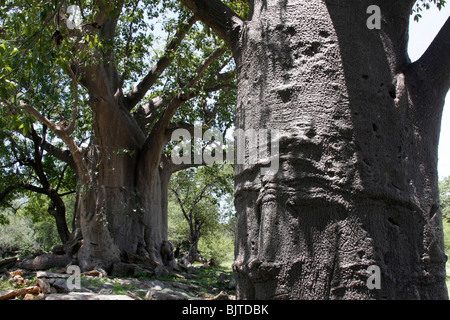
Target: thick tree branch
<point>138,92</point>
<point>71,127</point>
<point>62,155</point>
<point>37,162</point>
<point>435,62</point>
<point>148,110</point>
<point>58,129</point>
<point>22,185</point>
<point>219,17</point>
<point>170,167</point>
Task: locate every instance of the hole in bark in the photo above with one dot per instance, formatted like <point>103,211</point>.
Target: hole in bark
<point>375,127</point>
<point>392,221</point>
<point>291,31</point>
<point>312,49</point>
<point>324,34</point>
<point>285,95</point>
<point>365,76</point>
<point>392,92</point>
<point>434,210</point>
<point>400,152</point>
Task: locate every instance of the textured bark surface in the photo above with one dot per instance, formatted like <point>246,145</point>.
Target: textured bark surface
<point>123,218</point>
<point>357,184</point>
<point>122,207</point>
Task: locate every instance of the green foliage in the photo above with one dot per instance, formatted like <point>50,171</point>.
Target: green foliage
<point>18,234</point>
<point>446,225</point>
<point>31,227</point>
<point>219,245</point>
<point>426,4</point>
<point>44,228</point>
<point>444,196</point>
<point>42,63</point>
<point>202,197</point>
<point>178,229</point>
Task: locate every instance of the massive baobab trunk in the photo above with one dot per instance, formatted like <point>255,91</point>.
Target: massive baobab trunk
<point>122,208</point>
<point>123,176</point>
<point>359,129</point>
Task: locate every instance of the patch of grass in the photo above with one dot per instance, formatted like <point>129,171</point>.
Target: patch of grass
<point>6,285</point>
<point>446,225</point>
<point>113,284</point>
<point>119,288</point>
<point>203,278</point>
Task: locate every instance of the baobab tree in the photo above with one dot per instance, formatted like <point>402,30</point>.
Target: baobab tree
<point>85,75</point>
<point>359,124</point>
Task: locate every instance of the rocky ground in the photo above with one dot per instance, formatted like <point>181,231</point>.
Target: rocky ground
<point>196,282</point>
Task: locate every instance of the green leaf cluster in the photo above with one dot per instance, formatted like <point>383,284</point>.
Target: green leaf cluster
<point>214,186</point>
<point>426,4</point>
<point>444,196</point>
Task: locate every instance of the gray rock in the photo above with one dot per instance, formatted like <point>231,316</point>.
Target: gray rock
<point>167,294</point>
<point>60,285</point>
<point>86,296</point>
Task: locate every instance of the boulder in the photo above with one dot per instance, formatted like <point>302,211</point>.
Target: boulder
<point>44,285</point>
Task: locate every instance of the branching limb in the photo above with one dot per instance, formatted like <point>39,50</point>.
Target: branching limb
<point>71,127</point>
<point>138,92</point>
<point>204,66</point>
<point>59,130</point>
<point>180,202</point>
<point>219,17</point>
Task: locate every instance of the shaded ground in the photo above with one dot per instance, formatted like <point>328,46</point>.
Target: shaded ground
<point>198,282</point>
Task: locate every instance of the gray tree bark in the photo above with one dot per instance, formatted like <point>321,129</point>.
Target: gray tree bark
<point>359,123</point>
<point>123,177</point>
<point>123,208</point>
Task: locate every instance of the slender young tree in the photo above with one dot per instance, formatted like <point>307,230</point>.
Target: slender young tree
<point>198,193</point>
<point>359,128</point>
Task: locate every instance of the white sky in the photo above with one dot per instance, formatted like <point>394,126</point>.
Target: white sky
<point>420,36</point>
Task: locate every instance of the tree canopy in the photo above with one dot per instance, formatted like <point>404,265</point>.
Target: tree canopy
<point>158,55</point>
<point>90,94</point>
